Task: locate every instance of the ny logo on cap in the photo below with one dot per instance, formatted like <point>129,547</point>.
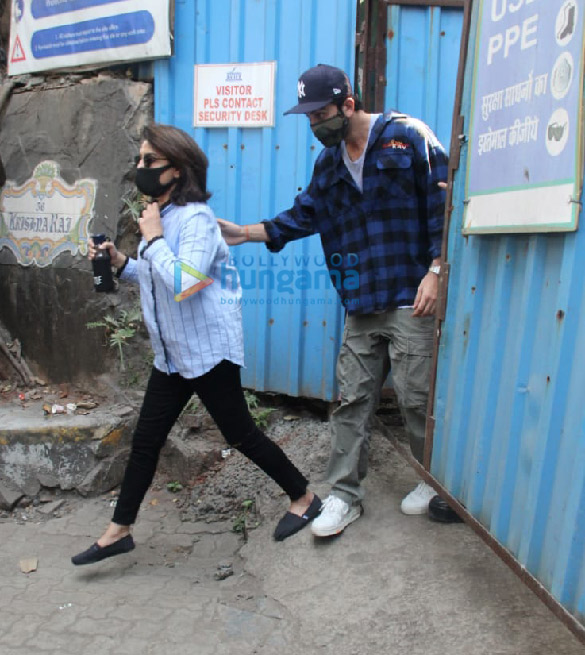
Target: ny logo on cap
<point>301,89</point>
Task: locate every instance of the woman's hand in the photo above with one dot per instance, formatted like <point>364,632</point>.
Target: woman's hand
<point>150,223</point>
<point>118,258</point>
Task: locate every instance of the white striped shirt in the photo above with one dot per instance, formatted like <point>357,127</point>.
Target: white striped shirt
<point>193,335</point>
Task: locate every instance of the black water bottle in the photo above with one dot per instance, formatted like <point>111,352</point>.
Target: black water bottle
<point>103,280</point>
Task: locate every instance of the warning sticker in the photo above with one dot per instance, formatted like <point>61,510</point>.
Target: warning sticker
<point>17,52</point>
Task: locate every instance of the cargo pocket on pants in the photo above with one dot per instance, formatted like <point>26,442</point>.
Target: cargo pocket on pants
<point>411,368</point>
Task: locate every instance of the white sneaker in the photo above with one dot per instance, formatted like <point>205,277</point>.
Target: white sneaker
<point>335,515</point>
<point>417,501</point>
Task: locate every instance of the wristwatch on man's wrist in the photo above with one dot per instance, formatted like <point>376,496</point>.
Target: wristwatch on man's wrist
<point>435,269</point>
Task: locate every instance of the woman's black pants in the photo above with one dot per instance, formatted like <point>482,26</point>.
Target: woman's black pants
<point>220,391</point>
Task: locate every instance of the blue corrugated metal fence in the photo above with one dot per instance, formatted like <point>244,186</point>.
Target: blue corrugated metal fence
<point>422,53</point>
<point>509,440</point>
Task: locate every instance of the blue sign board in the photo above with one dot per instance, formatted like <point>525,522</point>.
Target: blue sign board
<point>118,32</point>
<point>525,159</point>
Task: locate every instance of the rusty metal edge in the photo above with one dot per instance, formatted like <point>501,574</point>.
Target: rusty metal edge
<point>363,30</point>
<point>380,55</point>
<point>456,131</point>
<point>577,628</point>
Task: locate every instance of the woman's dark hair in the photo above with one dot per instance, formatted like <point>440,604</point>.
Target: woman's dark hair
<point>186,156</point>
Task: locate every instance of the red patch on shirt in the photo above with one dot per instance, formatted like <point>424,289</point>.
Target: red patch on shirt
<point>396,145</point>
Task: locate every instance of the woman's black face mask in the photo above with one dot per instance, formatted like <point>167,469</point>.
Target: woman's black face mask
<point>331,131</point>
<point>148,182</point>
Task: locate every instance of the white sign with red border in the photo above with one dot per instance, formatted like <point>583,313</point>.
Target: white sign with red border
<point>234,95</point>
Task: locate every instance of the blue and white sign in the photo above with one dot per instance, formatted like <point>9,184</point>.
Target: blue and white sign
<point>53,34</point>
<point>525,161</point>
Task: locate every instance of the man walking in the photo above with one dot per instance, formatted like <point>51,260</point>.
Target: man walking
<point>377,191</point>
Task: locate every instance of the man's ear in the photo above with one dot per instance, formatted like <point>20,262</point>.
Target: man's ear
<point>349,106</point>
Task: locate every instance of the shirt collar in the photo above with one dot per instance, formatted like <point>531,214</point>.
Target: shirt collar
<point>333,167</point>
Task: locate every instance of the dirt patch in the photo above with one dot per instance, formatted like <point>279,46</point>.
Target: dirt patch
<point>231,489</point>
<point>225,491</point>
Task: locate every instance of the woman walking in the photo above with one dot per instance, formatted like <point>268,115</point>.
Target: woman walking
<point>195,332</point>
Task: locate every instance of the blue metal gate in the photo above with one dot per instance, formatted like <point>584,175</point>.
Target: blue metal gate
<point>509,438</point>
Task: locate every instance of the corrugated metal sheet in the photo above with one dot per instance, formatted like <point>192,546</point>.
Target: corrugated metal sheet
<point>509,440</point>
<point>292,333</point>
<point>423,48</point>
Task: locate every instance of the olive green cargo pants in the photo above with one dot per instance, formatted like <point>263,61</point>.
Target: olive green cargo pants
<point>372,345</point>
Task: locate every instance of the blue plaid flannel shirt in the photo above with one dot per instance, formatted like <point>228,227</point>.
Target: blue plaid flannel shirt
<point>390,233</point>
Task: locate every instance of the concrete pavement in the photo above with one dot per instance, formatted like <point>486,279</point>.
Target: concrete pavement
<point>389,584</point>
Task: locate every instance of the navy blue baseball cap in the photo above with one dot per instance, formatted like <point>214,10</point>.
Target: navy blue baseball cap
<point>320,86</point>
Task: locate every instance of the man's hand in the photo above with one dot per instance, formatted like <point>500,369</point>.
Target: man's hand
<point>426,297</point>
<point>233,234</point>
<point>149,223</point>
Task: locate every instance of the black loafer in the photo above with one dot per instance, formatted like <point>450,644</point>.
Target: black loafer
<point>97,553</point>
<point>291,523</point>
<point>440,511</point>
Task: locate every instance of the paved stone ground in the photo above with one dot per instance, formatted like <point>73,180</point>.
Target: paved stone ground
<point>389,584</point>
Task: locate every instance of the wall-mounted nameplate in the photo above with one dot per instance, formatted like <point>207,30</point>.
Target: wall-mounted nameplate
<point>45,216</point>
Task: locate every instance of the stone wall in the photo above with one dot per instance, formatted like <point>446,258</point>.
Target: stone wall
<point>91,127</point>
